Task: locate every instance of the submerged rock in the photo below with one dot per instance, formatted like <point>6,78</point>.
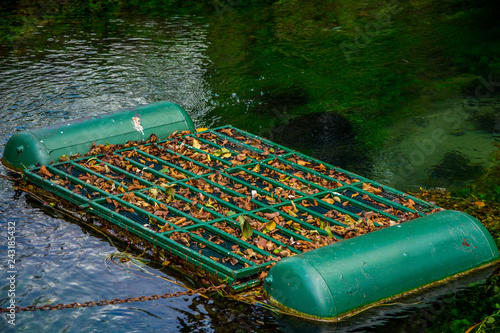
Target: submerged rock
<point>325,135</point>
<point>455,166</point>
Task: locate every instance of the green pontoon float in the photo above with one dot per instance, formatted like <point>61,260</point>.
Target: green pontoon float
<point>323,243</point>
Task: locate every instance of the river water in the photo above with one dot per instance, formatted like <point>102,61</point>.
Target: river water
<point>74,68</point>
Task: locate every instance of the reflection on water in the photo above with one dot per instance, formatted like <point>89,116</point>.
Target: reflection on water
<point>73,71</point>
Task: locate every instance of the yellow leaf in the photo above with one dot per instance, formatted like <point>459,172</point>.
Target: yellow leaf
<point>271,225</point>
<point>256,168</point>
<point>349,220</point>
<point>480,204</point>
<point>329,200</point>
<point>196,144</point>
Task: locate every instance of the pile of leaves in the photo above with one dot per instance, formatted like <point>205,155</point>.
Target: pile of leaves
<point>213,178</point>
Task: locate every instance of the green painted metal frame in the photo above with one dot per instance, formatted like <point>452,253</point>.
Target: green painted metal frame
<point>200,250</point>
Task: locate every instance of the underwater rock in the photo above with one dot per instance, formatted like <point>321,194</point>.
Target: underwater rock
<point>326,135</point>
<point>455,166</point>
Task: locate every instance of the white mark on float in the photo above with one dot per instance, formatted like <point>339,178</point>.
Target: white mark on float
<point>137,124</point>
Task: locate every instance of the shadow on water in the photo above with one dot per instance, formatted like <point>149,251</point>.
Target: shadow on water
<point>327,136</point>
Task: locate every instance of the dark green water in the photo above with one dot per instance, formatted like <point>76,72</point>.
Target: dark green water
<point>401,92</point>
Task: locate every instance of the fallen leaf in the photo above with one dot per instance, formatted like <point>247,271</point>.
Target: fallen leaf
<point>63,158</point>
<point>246,229</point>
<point>196,144</point>
<point>271,225</point>
<point>261,243</point>
<point>328,231</point>
<point>480,204</point>
<point>349,220</point>
<point>44,172</point>
<point>271,216</point>
<point>256,168</point>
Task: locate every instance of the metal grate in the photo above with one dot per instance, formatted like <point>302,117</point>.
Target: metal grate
<point>197,195</point>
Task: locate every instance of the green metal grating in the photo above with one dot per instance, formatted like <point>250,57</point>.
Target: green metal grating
<point>188,194</point>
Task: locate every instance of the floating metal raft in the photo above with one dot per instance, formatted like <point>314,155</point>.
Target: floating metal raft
<point>197,194</point>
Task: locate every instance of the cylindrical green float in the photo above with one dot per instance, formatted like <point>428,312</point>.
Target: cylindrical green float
<point>47,144</point>
<point>343,278</point>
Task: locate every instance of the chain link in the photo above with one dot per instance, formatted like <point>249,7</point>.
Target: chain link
<point>114,301</point>
<point>8,177</point>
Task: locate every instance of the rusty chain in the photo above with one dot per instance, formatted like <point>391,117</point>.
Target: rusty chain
<point>10,178</point>
<point>114,301</point>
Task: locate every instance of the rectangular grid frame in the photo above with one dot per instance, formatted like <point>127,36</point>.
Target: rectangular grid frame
<point>190,195</point>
